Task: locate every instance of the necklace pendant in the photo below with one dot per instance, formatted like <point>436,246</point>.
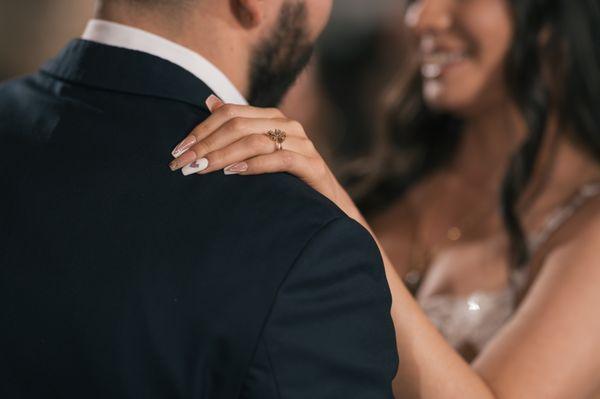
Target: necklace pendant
<point>454,234</point>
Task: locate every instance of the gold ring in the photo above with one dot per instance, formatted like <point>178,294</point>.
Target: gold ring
<point>278,137</point>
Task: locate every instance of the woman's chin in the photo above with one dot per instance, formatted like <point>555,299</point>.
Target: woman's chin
<point>443,100</point>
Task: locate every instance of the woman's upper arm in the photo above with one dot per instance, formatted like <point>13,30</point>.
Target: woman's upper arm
<point>551,347</point>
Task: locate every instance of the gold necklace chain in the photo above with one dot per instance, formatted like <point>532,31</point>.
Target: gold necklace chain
<point>421,256</point>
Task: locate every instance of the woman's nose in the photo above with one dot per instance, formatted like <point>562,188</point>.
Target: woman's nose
<point>429,16</point>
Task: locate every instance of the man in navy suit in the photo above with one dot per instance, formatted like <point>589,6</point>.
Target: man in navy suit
<point>121,279</point>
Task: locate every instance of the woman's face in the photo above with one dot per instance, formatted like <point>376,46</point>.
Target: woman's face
<point>462,45</point>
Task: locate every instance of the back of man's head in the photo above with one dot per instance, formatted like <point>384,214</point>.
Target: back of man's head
<point>265,44</point>
<point>150,3</point>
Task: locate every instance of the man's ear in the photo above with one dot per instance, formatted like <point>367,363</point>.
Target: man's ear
<point>250,13</point>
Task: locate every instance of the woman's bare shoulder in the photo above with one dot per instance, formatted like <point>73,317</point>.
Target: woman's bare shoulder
<point>578,245</point>
<point>551,347</point>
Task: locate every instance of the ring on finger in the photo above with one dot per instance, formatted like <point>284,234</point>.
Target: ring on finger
<point>278,137</point>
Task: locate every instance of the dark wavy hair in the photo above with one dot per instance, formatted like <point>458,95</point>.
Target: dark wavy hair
<point>553,67</point>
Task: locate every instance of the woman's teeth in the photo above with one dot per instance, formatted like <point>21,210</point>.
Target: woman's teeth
<point>431,71</point>
<point>434,63</point>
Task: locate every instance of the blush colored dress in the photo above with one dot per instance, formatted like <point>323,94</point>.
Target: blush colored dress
<point>469,323</point>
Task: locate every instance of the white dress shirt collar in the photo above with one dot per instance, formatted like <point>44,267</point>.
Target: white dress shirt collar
<point>118,35</point>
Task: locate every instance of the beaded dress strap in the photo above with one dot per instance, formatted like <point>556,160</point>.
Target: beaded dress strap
<point>561,215</point>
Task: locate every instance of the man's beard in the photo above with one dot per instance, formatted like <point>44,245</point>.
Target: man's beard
<point>278,61</point>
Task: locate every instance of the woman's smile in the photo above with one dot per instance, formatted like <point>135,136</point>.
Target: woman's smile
<point>439,62</point>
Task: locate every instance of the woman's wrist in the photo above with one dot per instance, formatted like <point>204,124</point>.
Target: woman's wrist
<point>346,204</point>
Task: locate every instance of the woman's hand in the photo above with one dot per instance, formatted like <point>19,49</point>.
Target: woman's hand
<point>234,138</point>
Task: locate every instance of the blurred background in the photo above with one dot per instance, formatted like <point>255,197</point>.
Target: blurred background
<point>32,31</point>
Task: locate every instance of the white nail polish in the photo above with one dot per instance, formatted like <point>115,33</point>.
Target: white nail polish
<point>195,167</point>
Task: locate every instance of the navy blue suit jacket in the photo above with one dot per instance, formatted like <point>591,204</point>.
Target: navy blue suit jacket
<point>121,279</point>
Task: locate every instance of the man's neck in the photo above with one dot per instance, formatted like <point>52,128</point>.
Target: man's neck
<point>211,36</point>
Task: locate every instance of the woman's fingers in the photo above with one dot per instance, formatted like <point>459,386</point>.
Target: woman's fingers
<point>221,115</point>
<point>277,162</point>
<point>246,148</point>
<point>236,129</point>
<point>213,103</point>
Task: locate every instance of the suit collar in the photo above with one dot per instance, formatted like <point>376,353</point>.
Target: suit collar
<point>124,36</point>
<point>128,71</point>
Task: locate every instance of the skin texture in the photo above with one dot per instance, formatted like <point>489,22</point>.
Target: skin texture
<point>551,347</point>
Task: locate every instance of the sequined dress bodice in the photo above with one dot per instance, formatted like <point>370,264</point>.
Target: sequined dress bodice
<point>472,321</point>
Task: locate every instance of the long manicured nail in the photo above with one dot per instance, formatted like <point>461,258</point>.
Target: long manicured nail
<point>236,168</point>
<point>184,146</point>
<point>186,158</point>
<point>213,103</point>
<point>195,167</point>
